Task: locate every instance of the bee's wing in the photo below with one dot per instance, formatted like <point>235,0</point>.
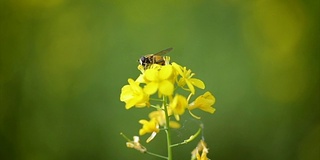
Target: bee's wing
<point>163,52</point>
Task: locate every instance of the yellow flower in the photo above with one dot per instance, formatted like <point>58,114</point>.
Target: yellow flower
<point>204,102</point>
<point>159,115</point>
<point>133,95</point>
<point>201,147</point>
<point>186,78</point>
<point>151,126</point>
<point>178,105</point>
<point>159,78</point>
<point>148,126</point>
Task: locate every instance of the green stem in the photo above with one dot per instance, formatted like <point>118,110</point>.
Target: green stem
<point>156,155</point>
<point>156,107</point>
<point>153,99</point>
<point>167,128</point>
<point>191,138</point>
<point>125,137</point>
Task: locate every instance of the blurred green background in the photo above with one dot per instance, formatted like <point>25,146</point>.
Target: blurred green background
<point>64,62</point>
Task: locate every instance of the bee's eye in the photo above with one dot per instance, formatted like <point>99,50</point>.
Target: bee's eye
<point>141,60</point>
<point>144,59</point>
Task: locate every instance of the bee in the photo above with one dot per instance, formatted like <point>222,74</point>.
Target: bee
<point>156,58</point>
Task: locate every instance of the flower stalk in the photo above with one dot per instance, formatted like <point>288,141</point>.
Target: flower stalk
<point>167,128</point>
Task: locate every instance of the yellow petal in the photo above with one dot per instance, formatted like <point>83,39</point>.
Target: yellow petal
<point>208,95</point>
<point>151,88</point>
<point>165,72</point>
<point>177,117</point>
<point>142,132</point>
<point>174,124</point>
<point>151,74</point>
<point>166,88</point>
<point>159,115</point>
<point>178,105</point>
<point>197,82</point>
<point>130,104</point>
<point>204,102</point>
<point>130,81</point>
<point>209,109</point>
<point>140,79</point>
<point>125,93</point>
<point>177,68</point>
<point>133,101</point>
<point>143,121</point>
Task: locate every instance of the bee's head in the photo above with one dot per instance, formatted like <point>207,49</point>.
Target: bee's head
<point>143,60</point>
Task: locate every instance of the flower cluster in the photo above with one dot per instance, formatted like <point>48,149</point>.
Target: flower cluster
<point>158,87</point>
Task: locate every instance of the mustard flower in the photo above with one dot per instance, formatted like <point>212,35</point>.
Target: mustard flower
<point>159,78</point>
<point>148,126</point>
<point>186,78</point>
<point>159,115</point>
<point>204,102</point>
<point>163,78</point>
<point>178,105</point>
<point>201,148</point>
<point>133,95</point>
<point>151,126</point>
